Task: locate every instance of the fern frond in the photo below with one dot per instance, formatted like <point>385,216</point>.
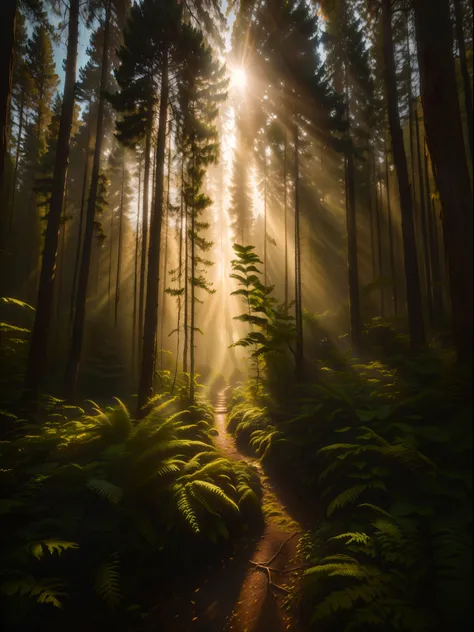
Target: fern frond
<point>45,590</point>
<point>216,492</point>
<point>107,582</point>
<point>53,546</point>
<point>348,496</point>
<point>220,465</point>
<point>359,538</point>
<point>185,508</point>
<point>107,490</point>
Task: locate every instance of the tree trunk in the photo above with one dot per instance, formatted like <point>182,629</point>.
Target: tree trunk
<point>111,251</point>
<point>186,292</point>
<point>410,112</point>
<point>145,389</point>
<point>467,82</point>
<point>424,231</point>
<point>135,275</point>
<point>285,201</point>
<point>445,139</point>
<point>438,309</point>
<point>39,339</point>
<point>265,273</point>
<point>299,357</point>
<point>371,219</point>
<point>61,256</point>
<point>81,213</point>
<point>144,253</point>
<point>351,223</point>
<point>412,279</point>
<point>390,235</point>
<point>193,284</point>
<point>378,232</point>
<point>7,57</point>
<point>17,160</point>
<point>180,275</point>
<point>74,358</point>
<point>165,266</point>
<point>119,248</point>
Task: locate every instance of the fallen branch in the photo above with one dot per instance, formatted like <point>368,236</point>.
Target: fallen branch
<point>265,566</point>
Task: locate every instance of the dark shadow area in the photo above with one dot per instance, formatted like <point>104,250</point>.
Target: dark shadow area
<point>204,601</point>
<point>269,619</point>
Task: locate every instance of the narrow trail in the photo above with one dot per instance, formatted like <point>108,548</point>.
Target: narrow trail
<point>246,590</point>
<point>274,564</point>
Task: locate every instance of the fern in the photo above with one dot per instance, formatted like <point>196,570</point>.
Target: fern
<point>107,582</point>
<point>359,538</point>
<point>107,490</point>
<point>53,546</point>
<point>348,496</point>
<point>47,591</point>
<point>220,465</point>
<point>215,492</point>
<point>345,599</point>
<point>185,508</point>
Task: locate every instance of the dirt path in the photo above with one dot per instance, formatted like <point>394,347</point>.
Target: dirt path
<point>260,604</point>
<point>235,594</point>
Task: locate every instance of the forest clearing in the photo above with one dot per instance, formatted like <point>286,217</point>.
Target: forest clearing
<point>236,314</point>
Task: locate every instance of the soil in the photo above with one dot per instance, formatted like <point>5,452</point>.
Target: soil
<point>260,604</point>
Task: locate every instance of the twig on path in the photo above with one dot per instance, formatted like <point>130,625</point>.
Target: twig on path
<point>265,566</point>
<point>279,550</point>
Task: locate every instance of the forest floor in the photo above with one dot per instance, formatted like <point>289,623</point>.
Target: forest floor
<point>274,565</point>
<point>247,591</point>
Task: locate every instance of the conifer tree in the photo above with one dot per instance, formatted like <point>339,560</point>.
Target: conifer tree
<point>39,338</point>
<point>412,279</point>
<point>286,41</point>
<point>40,66</point>
<point>201,90</point>
<point>114,13</point>
<point>444,134</point>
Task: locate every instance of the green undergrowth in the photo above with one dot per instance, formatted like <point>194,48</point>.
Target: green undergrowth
<point>381,455</point>
<point>99,513</point>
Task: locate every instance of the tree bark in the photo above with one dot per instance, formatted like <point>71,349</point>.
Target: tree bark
<point>17,162</point>
<point>378,232</point>
<point>351,223</point>
<point>135,275</point>
<point>165,263</point>
<point>39,339</point>
<point>145,389</point>
<point>193,284</point>
<point>445,140</point>
<point>61,256</point>
<point>111,251</point>
<point>285,201</point>
<point>467,82</point>
<point>119,248</point>
<point>74,358</point>
<point>186,291</point>
<point>144,253</point>
<point>7,56</point>
<point>410,112</point>
<point>390,235</point>
<point>265,273</point>
<point>412,278</point>
<point>299,357</point>
<point>81,213</point>
<point>438,309</point>
<point>424,229</point>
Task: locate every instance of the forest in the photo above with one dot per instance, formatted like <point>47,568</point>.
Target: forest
<point>236,315</point>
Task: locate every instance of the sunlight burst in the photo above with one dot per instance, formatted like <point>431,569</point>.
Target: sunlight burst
<point>238,78</point>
